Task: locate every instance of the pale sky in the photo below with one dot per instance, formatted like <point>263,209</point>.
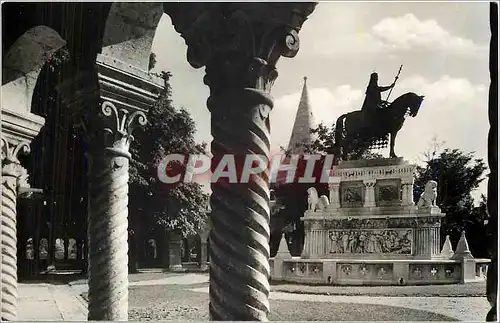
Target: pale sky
<point>443,48</point>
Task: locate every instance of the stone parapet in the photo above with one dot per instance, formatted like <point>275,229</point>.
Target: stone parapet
<point>377,272</point>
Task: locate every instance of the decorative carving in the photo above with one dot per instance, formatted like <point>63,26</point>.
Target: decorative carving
<point>314,202</point>
<point>347,269</point>
<point>433,271</point>
<point>352,194</point>
<point>382,273</point>
<point>388,193</point>
<point>429,196</point>
<point>371,241</point>
<point>113,129</point>
<point>239,43</point>
<point>316,268</point>
<point>391,223</point>
<point>369,183</point>
<point>417,272</point>
<point>373,173</point>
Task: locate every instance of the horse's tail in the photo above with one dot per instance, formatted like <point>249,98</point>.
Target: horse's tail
<point>339,127</point>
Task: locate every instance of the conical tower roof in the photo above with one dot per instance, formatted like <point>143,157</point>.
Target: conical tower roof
<point>304,121</point>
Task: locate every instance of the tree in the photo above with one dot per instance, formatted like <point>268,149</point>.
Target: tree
<point>458,174</point>
<point>153,204</point>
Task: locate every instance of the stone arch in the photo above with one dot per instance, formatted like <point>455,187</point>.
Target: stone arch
<point>129,32</point>
<point>22,64</point>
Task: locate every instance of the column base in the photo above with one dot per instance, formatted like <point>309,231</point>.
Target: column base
<point>177,269</point>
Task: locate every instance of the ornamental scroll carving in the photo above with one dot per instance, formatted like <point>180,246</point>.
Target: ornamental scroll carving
<point>370,241</point>
<point>113,128</point>
<point>239,43</point>
<point>10,162</point>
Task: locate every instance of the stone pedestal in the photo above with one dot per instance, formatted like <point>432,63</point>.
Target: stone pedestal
<point>175,252</point>
<point>373,220</point>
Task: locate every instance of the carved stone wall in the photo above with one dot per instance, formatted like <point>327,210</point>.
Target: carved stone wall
<point>352,194</point>
<point>402,237</point>
<point>398,241</point>
<point>435,272</point>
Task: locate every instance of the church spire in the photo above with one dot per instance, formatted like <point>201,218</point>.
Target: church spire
<point>303,123</point>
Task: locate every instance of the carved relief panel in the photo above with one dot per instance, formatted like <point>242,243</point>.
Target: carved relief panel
<point>426,272</point>
<point>388,192</point>
<point>352,194</point>
<point>370,241</point>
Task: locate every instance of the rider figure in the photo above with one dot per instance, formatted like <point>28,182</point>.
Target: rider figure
<point>373,98</point>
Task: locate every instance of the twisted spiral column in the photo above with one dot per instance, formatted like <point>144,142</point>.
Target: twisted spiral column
<point>14,176</point>
<point>239,239</point>
<point>239,45</point>
<point>9,246</point>
<point>108,237</point>
<point>108,216</point>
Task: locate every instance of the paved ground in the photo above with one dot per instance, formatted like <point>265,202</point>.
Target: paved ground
<point>160,296</point>
<point>50,302</point>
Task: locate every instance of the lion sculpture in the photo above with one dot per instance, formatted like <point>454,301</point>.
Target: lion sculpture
<point>315,202</point>
<point>429,196</point>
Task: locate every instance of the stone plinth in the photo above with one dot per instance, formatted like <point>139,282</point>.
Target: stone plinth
<point>373,215</point>
<point>373,233</point>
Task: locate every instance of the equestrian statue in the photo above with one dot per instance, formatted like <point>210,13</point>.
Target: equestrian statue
<point>370,127</point>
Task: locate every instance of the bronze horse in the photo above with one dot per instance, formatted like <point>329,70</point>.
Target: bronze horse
<point>365,127</point>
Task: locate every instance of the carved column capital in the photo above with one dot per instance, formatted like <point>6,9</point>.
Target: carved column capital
<point>333,185</point>
<point>239,43</point>
<point>116,127</point>
<point>11,167</point>
<point>407,181</point>
<point>370,183</point>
